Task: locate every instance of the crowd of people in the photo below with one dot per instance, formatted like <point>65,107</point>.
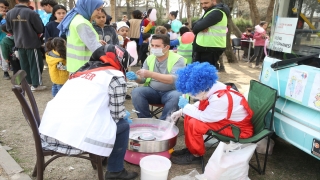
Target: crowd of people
<point>85,53</point>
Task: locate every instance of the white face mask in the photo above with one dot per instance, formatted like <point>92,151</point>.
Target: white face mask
<point>157,52</point>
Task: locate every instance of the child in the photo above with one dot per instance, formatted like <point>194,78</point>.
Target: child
<point>51,30</point>
<point>161,30</point>
<point>260,36</point>
<point>144,48</point>
<point>184,50</point>
<point>7,49</point>
<point>56,59</point>
<point>106,32</point>
<point>5,66</point>
<point>123,29</point>
<point>245,45</point>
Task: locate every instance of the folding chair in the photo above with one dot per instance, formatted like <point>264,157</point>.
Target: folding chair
<point>236,45</point>
<point>20,88</point>
<point>156,109</point>
<point>261,99</point>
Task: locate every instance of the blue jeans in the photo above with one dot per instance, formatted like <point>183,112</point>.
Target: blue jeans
<point>55,89</point>
<point>143,96</point>
<point>116,158</point>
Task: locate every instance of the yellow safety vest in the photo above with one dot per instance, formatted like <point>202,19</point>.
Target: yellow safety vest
<point>172,60</point>
<point>216,35</point>
<point>185,50</point>
<point>77,52</point>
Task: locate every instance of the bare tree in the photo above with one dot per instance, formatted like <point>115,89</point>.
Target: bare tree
<point>254,12</point>
<point>167,7</point>
<point>270,11</point>
<point>229,51</point>
<point>71,4</point>
<point>181,5</point>
<point>113,9</point>
<point>128,6</point>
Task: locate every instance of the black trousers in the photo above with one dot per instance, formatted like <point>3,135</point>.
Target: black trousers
<point>210,57</point>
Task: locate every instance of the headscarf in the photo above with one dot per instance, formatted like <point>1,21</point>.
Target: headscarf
<point>196,78</point>
<point>83,7</point>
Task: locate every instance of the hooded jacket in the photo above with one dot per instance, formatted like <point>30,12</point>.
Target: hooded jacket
<point>211,19</point>
<point>57,76</point>
<point>26,26</point>
<point>259,36</point>
<point>107,33</point>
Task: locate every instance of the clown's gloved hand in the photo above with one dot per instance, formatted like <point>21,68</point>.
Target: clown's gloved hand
<point>175,116</point>
<point>131,75</point>
<point>183,102</point>
<point>127,117</point>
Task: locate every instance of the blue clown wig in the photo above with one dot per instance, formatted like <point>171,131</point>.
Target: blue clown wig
<point>196,77</point>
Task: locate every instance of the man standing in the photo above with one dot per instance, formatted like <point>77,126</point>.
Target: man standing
<point>26,26</point>
<point>47,6</point>
<point>158,76</point>
<point>210,31</point>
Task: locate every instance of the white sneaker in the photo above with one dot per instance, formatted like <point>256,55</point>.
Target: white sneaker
<point>39,88</point>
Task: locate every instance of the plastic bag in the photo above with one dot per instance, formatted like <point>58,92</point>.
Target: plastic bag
<point>230,162</point>
<point>262,146</point>
<point>191,176</point>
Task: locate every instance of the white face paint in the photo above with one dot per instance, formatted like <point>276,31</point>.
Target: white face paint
<point>200,96</point>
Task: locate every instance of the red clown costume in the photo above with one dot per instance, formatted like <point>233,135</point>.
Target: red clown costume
<point>219,105</point>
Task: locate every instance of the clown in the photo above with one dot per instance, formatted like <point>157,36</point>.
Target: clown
<point>218,106</point>
<point>88,113</point>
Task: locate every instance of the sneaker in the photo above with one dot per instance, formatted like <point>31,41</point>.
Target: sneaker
<point>6,76</point>
<point>39,88</point>
<point>185,159</point>
<point>124,174</point>
<point>180,152</point>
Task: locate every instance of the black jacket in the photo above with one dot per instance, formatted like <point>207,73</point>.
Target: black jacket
<point>211,19</point>
<point>26,26</point>
<point>107,33</point>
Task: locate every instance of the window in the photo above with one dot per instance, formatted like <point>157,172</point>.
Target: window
<point>306,36</point>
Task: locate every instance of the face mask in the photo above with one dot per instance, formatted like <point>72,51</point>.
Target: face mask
<point>157,52</point>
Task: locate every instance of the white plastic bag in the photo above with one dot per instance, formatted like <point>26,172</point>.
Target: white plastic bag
<point>191,176</point>
<point>230,162</point>
<point>262,146</point>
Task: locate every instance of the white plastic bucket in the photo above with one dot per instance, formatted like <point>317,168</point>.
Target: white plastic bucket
<point>154,167</point>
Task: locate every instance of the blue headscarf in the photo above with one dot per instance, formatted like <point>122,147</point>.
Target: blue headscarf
<point>83,7</point>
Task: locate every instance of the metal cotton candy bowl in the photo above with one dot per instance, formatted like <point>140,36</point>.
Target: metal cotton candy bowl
<point>150,137</point>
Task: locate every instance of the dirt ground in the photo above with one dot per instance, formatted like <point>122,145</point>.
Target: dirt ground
<point>286,162</point>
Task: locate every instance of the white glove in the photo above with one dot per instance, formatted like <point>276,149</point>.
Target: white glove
<point>175,116</point>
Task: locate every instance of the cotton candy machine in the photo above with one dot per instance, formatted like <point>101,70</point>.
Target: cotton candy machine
<point>150,137</point>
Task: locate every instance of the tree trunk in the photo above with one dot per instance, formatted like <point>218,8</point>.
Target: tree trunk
<point>255,11</point>
<point>188,6</point>
<point>270,11</point>
<point>167,8</point>
<point>12,3</point>
<point>236,31</point>
<point>113,10</point>
<point>128,6</point>
<point>181,4</point>
<point>231,26</point>
<point>229,51</point>
<point>71,4</point>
